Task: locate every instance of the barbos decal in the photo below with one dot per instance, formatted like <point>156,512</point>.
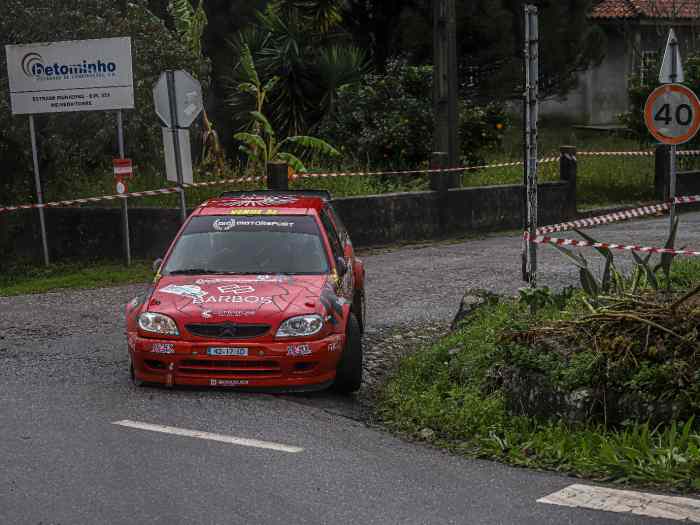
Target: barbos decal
<point>163,348</point>
<point>238,299</point>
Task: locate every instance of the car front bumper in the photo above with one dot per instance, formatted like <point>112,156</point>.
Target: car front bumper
<point>288,365</point>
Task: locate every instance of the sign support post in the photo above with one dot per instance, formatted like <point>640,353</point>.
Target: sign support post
<point>39,192</point>
<point>176,141</point>
<point>125,205</point>
<point>531,115</point>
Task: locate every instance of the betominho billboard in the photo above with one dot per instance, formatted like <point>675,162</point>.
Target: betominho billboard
<point>80,75</point>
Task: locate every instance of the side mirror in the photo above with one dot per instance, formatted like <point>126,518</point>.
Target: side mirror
<point>342,266</point>
<point>156,264</point>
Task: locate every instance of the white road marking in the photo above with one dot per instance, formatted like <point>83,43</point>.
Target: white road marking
<point>613,500</point>
<point>222,438</point>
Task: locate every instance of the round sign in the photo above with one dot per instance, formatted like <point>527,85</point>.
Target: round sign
<point>672,114</point>
<point>121,187</point>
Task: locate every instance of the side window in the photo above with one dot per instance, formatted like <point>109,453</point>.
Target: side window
<point>332,235</point>
<point>342,230</point>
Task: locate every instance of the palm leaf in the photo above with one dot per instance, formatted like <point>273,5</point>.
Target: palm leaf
<point>252,141</point>
<point>259,117</point>
<point>578,259</point>
<point>609,264</point>
<point>250,73</point>
<point>293,161</point>
<point>314,144</point>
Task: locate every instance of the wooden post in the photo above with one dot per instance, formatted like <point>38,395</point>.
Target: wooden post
<point>440,183</point>
<point>277,176</point>
<point>445,84</point>
<point>568,166</point>
<point>662,172</point>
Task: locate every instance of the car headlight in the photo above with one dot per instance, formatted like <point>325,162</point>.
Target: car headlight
<point>301,326</point>
<point>157,324</point>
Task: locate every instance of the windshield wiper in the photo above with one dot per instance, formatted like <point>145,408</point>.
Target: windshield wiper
<point>191,271</point>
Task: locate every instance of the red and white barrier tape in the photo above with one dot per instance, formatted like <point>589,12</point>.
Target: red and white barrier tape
<point>540,238</point>
<point>643,153</point>
<point>147,193</point>
<point>416,172</point>
<point>543,239</point>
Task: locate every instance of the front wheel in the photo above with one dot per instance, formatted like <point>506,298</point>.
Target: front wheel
<point>348,376</point>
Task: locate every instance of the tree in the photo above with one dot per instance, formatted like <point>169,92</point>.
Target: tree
<point>490,40</point>
<point>309,56</point>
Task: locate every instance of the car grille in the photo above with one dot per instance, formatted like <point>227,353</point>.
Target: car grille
<point>236,368</point>
<point>228,330</point>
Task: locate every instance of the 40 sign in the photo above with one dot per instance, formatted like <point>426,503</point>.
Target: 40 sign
<point>672,114</point>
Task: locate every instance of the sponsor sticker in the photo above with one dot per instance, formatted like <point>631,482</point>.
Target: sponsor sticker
<point>163,348</point>
<point>254,212</point>
<point>187,290</point>
<point>241,352</point>
<point>262,200</point>
<point>223,225</point>
<point>208,314</point>
<point>228,382</point>
<point>236,288</point>
<point>298,350</point>
<point>234,299</point>
<point>333,347</point>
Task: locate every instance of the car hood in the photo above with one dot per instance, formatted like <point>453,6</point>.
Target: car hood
<point>238,298</point>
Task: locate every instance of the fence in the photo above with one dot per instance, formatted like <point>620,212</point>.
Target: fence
<point>374,219</point>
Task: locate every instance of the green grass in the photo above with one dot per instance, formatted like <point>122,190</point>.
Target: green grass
<point>22,279</point>
<point>449,394</point>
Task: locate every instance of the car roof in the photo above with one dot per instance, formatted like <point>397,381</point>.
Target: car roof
<point>259,202</point>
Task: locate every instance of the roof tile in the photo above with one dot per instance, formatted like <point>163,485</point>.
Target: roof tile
<point>607,9</point>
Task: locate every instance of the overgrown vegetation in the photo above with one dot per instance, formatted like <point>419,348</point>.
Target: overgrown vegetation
<point>604,388</point>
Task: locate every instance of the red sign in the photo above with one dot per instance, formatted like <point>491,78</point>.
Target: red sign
<point>672,114</point>
<point>123,168</point>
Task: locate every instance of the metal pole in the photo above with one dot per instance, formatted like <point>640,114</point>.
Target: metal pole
<point>125,205</point>
<point>531,116</point>
<point>170,75</point>
<point>672,184</point>
<point>39,192</point>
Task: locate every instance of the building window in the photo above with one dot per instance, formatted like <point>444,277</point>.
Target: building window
<point>648,66</point>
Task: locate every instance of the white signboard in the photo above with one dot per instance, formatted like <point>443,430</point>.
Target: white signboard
<point>81,75</point>
<point>185,155</point>
<point>188,99</point>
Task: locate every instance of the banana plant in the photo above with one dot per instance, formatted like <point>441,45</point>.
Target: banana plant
<point>261,144</point>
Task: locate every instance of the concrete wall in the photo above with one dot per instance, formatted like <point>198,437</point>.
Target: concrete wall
<point>372,220</point>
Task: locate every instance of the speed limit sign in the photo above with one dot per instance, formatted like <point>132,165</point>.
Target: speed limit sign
<point>672,114</point>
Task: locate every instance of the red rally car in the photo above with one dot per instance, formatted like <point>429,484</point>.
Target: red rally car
<point>259,290</point>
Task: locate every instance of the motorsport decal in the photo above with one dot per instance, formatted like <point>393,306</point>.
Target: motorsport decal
<point>223,225</point>
<point>163,348</point>
<point>298,350</point>
<point>187,290</point>
<point>262,200</point>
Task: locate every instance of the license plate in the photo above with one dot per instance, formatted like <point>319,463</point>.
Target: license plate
<point>241,352</point>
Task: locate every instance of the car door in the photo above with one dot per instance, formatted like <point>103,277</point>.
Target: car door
<point>341,248</point>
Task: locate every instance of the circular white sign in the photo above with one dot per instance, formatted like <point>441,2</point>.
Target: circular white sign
<point>672,114</point>
<point>121,187</point>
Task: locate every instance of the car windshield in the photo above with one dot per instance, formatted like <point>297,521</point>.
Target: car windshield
<point>249,245</point>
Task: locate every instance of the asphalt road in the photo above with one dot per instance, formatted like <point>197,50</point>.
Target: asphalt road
<point>63,384</point>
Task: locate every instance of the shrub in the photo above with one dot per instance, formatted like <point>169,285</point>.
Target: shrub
<point>387,120</point>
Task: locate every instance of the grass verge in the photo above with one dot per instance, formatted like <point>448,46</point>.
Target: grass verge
<point>449,394</point>
<point>22,279</point>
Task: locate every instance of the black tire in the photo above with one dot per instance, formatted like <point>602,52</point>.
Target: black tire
<point>136,382</point>
<point>360,309</point>
<point>349,372</point>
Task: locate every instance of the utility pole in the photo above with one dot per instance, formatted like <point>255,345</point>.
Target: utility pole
<point>445,84</point>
